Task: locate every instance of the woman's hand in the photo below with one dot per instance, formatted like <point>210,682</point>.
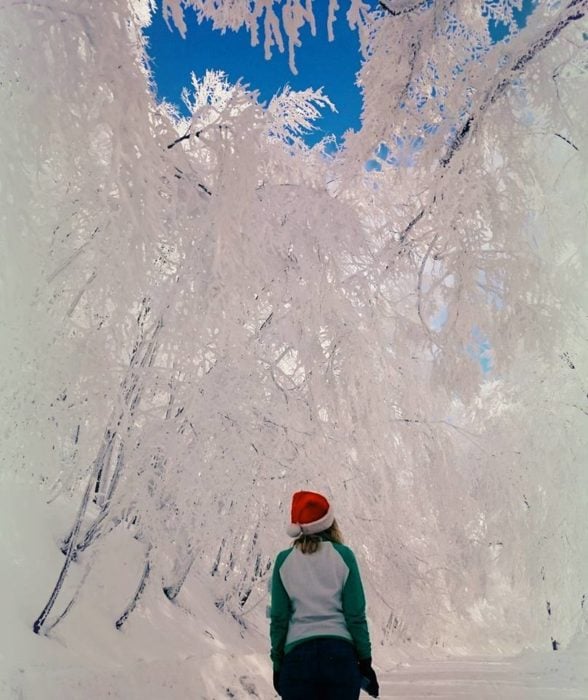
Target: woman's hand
<point>372,688</point>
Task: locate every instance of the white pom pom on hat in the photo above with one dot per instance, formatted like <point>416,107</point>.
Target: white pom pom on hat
<point>294,530</point>
<point>311,513</point>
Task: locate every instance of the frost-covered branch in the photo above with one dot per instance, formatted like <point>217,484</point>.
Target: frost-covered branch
<point>572,12</point>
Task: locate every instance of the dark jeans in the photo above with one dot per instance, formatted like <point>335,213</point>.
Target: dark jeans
<point>320,669</point>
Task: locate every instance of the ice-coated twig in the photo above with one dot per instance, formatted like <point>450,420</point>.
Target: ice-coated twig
<point>138,593</point>
<point>74,598</point>
<point>407,9</point>
<point>173,590</point>
<point>73,540</point>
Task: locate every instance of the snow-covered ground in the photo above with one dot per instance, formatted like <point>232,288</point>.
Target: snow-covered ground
<point>190,649</point>
<point>166,650</point>
<point>528,677</point>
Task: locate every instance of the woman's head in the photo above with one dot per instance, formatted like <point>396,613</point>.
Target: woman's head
<point>310,514</point>
<point>311,520</point>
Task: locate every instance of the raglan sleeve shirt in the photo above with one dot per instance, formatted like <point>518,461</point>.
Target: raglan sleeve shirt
<point>352,606</point>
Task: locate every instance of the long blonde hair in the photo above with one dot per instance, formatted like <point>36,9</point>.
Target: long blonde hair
<point>308,544</point>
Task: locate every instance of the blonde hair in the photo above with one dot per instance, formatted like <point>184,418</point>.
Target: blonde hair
<point>308,544</point>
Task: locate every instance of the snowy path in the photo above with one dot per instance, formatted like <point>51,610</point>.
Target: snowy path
<point>246,677</point>
<point>481,679</point>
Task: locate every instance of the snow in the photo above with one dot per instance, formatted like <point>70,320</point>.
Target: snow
<point>172,651</point>
<point>166,650</point>
<point>528,677</point>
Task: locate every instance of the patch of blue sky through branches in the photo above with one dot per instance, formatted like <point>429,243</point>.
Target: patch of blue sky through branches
<point>320,63</point>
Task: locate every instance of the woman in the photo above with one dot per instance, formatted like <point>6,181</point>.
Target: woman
<point>320,644</point>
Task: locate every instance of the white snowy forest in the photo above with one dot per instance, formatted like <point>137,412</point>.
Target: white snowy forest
<point>201,315</point>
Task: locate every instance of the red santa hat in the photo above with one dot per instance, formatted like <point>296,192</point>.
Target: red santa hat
<point>311,514</point>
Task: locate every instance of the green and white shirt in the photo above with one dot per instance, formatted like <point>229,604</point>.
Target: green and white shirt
<point>317,595</point>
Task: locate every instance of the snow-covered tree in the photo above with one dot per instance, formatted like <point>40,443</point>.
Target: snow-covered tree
<point>201,315</point>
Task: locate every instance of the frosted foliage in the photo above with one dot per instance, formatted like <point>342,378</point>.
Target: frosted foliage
<point>201,315</point>
<point>276,23</point>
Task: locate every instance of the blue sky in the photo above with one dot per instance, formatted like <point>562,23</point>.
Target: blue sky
<point>320,63</point>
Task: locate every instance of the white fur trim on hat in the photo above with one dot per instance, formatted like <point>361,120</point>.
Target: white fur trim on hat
<point>324,523</point>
